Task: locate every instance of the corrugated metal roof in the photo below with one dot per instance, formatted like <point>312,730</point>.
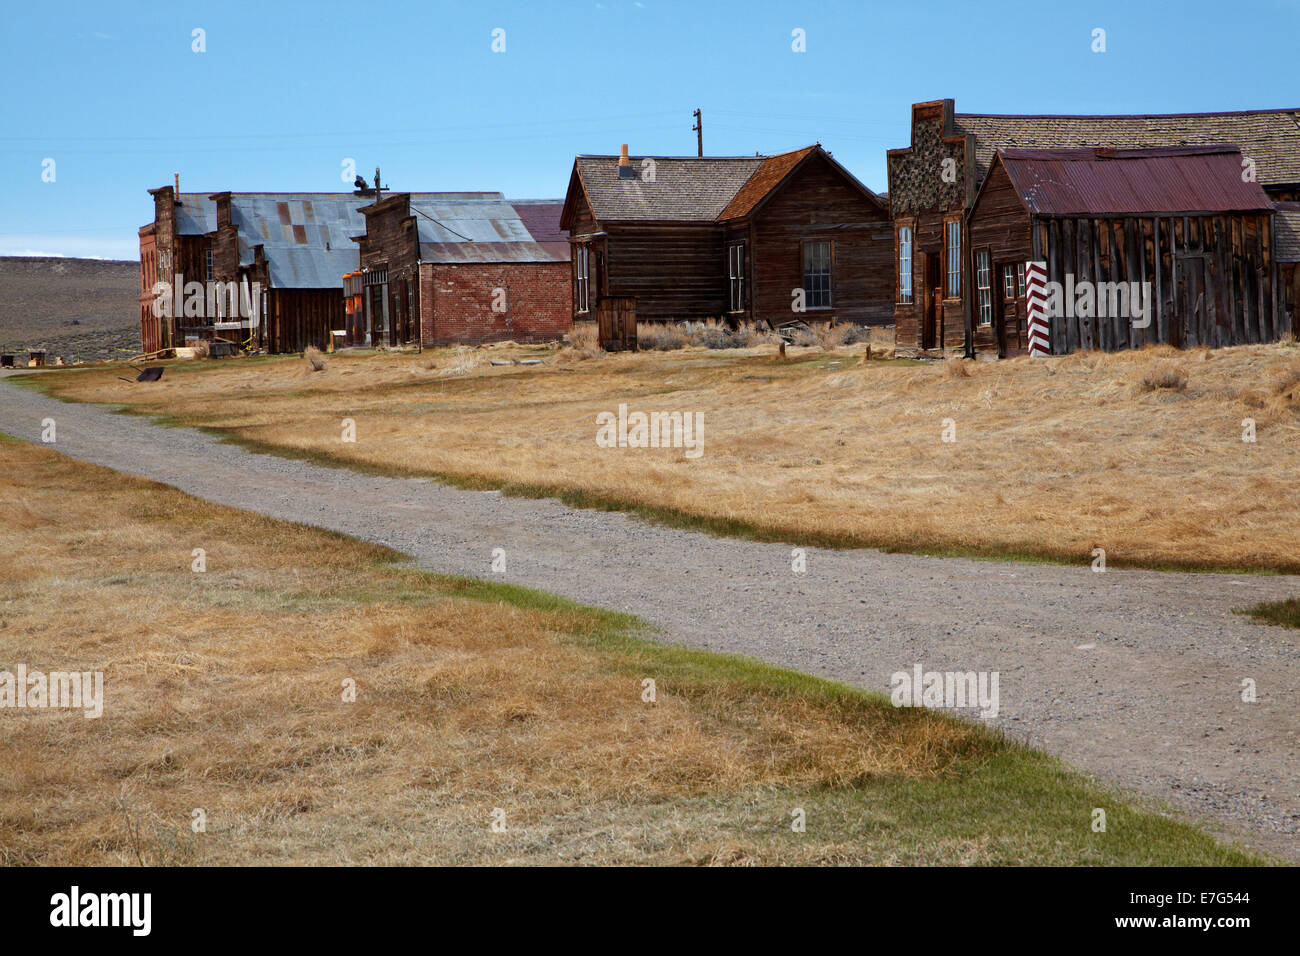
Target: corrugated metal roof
<point>1286,232</point>
<point>1270,137</point>
<point>542,218</point>
<point>685,189</point>
<point>527,251</point>
<point>490,230</point>
<point>196,215</point>
<point>306,236</point>
<point>1132,181</point>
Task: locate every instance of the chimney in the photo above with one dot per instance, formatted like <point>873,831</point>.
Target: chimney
<point>176,188</point>
<point>625,170</point>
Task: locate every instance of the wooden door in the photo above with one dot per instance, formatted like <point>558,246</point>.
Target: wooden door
<point>931,302</point>
<point>616,323</point>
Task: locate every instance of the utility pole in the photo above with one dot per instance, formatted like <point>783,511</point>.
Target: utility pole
<point>699,133</point>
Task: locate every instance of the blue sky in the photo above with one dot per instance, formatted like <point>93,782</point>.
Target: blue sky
<point>285,92</point>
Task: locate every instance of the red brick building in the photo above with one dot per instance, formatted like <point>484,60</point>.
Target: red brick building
<point>464,268</point>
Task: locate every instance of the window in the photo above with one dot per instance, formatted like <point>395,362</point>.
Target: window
<point>736,275</point>
<point>904,264</point>
<point>1008,282</point>
<point>582,281</point>
<point>817,275</point>
<point>207,263</point>
<point>984,285</point>
<point>953,231</point>
<point>1020,278</point>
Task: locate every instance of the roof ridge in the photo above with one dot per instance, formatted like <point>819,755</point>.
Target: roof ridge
<point>1283,109</point>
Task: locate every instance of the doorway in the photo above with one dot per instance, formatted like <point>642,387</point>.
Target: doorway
<point>931,302</point>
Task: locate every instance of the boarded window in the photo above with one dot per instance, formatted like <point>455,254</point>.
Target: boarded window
<point>817,275</point>
<point>736,275</point>
<point>904,265</point>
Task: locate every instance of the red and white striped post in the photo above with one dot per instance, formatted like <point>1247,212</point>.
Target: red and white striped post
<point>1036,308</point>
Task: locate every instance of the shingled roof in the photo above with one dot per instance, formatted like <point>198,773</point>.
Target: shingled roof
<point>1270,137</point>
<point>766,178</point>
<point>685,188</point>
<point>1101,182</point>
<point>692,188</point>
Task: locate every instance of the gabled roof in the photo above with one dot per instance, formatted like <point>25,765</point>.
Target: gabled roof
<point>694,189</point>
<point>685,188</point>
<point>767,177</point>
<point>1270,137</point>
<point>1286,232</point>
<point>1098,182</point>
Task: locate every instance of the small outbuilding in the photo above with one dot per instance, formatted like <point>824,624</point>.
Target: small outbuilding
<point>1167,245</point>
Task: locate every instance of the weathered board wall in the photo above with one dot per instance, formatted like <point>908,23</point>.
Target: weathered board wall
<point>817,204</point>
<point>1212,278</point>
<point>673,271</point>
<point>297,318</point>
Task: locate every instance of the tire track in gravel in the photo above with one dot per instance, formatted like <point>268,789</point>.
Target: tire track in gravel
<point>1134,676</point>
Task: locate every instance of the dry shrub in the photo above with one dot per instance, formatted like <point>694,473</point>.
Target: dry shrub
<point>660,336</point>
<point>833,336</point>
<point>1164,375</point>
<point>956,368</point>
<point>583,342</point>
<point>202,349</point>
<point>1287,382</point>
<point>315,360</point>
<point>749,335</point>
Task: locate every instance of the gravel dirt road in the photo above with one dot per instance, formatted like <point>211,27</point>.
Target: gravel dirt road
<point>1134,676</point>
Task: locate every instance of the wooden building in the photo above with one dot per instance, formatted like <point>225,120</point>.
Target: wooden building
<point>463,268</point>
<point>1164,245</point>
<point>934,181</point>
<point>741,238</point>
<point>287,252</point>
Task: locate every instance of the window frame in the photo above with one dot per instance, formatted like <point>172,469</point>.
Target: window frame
<point>736,276</point>
<point>952,279</point>
<point>830,274</point>
<point>905,293</point>
<point>582,278</point>
<point>984,286</point>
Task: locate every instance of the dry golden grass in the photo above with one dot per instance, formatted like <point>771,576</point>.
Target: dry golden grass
<point>223,692</point>
<point>1052,458</point>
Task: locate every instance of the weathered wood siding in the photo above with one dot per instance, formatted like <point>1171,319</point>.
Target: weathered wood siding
<point>817,204</point>
<point>999,225</point>
<point>673,271</point>
<point>1211,277</point>
<point>297,318</point>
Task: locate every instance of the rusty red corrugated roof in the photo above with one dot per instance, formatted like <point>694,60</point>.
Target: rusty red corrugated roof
<point>1165,180</point>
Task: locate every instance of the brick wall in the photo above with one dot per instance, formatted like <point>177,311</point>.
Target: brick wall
<point>456,302</point>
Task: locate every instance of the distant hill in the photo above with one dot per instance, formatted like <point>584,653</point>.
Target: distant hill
<point>82,309</point>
